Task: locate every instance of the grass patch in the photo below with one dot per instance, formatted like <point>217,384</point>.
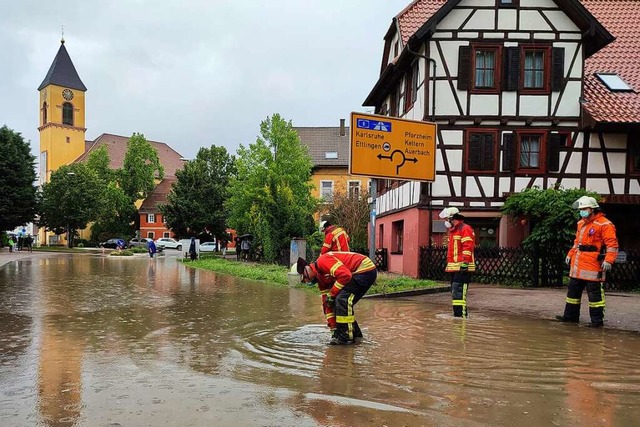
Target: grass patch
<point>386,283</point>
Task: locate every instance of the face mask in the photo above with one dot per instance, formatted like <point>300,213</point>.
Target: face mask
<point>448,224</point>
<point>585,213</point>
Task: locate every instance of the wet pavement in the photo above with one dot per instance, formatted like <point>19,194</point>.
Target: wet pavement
<point>96,341</point>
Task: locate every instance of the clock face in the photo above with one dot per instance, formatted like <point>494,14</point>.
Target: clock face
<point>67,94</point>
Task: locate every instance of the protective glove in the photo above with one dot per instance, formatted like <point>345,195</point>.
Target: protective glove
<point>330,301</point>
<point>606,266</point>
<point>464,266</point>
<point>567,260</point>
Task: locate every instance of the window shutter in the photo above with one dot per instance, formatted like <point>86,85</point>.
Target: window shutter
<point>488,152</point>
<point>464,67</point>
<point>474,155</point>
<point>510,68</point>
<point>553,152</point>
<point>557,70</point>
<point>508,152</point>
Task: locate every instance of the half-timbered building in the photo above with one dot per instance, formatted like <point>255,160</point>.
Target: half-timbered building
<point>525,93</point>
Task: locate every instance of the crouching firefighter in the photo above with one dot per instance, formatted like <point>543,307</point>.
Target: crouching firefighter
<point>352,275</point>
<point>594,250</point>
<point>460,258</point>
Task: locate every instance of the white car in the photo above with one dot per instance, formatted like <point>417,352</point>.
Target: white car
<point>208,247</point>
<point>169,243</point>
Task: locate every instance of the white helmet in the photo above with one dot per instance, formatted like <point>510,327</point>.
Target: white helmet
<point>585,202</point>
<point>448,212</point>
<point>323,224</point>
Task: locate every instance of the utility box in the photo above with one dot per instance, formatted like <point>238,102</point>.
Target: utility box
<point>298,249</point>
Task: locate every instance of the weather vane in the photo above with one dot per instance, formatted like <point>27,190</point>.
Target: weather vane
<point>62,39</point>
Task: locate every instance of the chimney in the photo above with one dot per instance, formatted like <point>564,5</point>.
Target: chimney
<point>342,128</point>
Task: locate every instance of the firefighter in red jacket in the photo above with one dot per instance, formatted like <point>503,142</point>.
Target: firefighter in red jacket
<point>460,258</point>
<point>594,251</point>
<point>335,238</point>
<point>352,275</point>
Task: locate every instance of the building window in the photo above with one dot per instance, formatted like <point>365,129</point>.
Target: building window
<point>486,72</point>
<point>67,114</point>
<point>508,3</point>
<point>326,190</point>
<point>381,236</point>
<point>480,150</point>
<point>151,235</point>
<point>166,235</point>
<point>151,218</point>
<point>68,140</point>
<point>397,236</point>
<point>530,152</point>
<point>633,143</point>
<point>44,113</point>
<point>408,91</point>
<point>535,69</point>
<point>354,189</point>
<point>614,82</point>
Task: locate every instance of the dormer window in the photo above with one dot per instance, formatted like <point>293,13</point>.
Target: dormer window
<point>614,82</point>
<point>331,155</point>
<point>507,3</point>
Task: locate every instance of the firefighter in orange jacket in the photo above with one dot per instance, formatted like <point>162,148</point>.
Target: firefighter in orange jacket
<point>335,238</point>
<point>460,258</point>
<point>352,275</point>
<point>594,251</point>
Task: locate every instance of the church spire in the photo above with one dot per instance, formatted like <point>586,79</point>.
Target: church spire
<point>62,72</point>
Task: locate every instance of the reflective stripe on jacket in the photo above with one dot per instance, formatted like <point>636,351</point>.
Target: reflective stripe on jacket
<point>592,235</point>
<point>341,266</point>
<point>462,242</point>
<point>335,239</point>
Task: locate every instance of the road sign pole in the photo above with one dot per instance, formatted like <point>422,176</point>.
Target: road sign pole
<point>372,220</point>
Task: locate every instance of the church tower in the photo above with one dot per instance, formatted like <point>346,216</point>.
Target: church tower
<point>62,115</point>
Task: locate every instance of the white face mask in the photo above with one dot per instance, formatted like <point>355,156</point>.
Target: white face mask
<point>448,224</point>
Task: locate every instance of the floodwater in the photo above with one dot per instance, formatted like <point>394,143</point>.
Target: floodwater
<point>93,341</point>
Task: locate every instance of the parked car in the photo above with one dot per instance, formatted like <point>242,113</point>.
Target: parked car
<point>142,243</point>
<point>208,247</point>
<point>169,243</point>
<point>112,244</point>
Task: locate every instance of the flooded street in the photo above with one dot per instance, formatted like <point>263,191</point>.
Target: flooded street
<point>92,341</point>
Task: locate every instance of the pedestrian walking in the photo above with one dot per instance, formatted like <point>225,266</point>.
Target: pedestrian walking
<point>12,243</point>
<point>351,275</point>
<point>336,238</point>
<point>29,241</point>
<point>193,254</point>
<point>460,258</point>
<point>238,249</point>
<point>223,246</point>
<point>594,251</point>
<point>151,247</point>
<point>245,247</point>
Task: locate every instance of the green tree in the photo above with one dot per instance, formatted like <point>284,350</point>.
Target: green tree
<point>17,180</point>
<point>550,213</point>
<point>115,209</point>
<point>352,213</point>
<point>70,200</point>
<point>196,202</point>
<point>141,167</point>
<point>271,195</point>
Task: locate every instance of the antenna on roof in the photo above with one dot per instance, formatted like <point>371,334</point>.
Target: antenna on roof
<point>62,38</point>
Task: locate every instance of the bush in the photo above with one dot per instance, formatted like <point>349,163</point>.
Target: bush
<point>80,245</point>
<point>126,252</point>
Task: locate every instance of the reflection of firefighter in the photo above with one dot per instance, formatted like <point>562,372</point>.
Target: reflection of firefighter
<point>352,275</point>
<point>335,238</point>
<point>460,258</point>
<point>594,251</point>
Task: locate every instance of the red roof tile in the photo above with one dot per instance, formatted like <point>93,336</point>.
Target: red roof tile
<point>417,13</point>
<point>621,18</point>
<point>117,148</point>
<point>157,197</point>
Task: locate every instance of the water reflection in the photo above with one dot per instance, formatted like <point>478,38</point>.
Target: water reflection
<point>97,341</point>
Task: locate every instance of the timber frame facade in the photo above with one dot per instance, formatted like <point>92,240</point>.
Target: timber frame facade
<point>517,104</point>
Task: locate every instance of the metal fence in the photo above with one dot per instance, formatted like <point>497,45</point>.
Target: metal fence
<point>519,266</point>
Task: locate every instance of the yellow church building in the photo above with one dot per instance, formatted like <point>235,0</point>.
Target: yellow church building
<point>63,134</point>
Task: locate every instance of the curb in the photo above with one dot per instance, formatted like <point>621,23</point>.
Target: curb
<point>426,291</point>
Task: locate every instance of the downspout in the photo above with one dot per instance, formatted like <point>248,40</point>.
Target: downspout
<point>433,119</point>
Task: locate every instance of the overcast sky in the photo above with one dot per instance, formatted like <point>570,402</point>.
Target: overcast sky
<point>193,73</point>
